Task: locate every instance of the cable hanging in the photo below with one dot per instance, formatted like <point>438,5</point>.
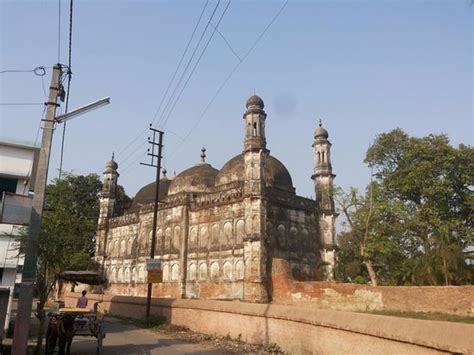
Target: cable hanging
<point>260,36</point>
<point>69,74</point>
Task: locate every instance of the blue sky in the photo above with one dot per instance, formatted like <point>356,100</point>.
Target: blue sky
<point>363,67</point>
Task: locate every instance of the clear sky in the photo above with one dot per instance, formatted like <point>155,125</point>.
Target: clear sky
<point>363,67</point>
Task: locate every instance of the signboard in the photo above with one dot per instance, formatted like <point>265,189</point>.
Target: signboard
<point>155,276</point>
<point>153,264</point>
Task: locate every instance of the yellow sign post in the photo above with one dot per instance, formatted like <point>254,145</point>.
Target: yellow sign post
<point>155,276</point>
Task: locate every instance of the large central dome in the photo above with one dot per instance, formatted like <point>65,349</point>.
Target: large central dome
<point>276,174</point>
<point>199,178</point>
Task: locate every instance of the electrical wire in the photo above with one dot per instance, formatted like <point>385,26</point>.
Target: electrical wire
<point>21,103</point>
<point>170,82</point>
<point>228,78</point>
<point>69,74</point>
<point>171,98</point>
<point>180,61</point>
<point>196,64</point>
<point>227,42</point>
<point>59,31</point>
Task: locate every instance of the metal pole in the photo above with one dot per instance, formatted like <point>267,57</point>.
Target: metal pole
<point>155,210</point>
<point>25,299</point>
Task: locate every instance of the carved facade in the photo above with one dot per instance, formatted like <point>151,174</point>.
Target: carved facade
<point>218,230</point>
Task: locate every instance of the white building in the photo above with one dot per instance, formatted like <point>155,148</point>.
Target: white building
<point>18,162</point>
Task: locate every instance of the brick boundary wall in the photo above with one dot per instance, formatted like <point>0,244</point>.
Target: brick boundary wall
<point>300,330</point>
<point>457,300</point>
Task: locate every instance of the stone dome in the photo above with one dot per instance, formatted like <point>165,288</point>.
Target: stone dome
<point>146,194</point>
<point>255,100</point>
<point>199,178</point>
<point>276,174</point>
<point>111,166</point>
<point>321,132</point>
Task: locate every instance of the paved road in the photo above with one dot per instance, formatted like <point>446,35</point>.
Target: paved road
<point>127,339</point>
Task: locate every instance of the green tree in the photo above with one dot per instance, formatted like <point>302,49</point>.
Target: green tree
<point>66,240</point>
<point>420,229</point>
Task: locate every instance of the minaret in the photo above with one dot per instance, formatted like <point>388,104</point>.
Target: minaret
<point>323,184</point>
<point>107,203</point>
<point>255,153</point>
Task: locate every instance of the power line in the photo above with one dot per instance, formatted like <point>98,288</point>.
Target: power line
<point>21,103</point>
<point>227,42</point>
<point>38,71</point>
<point>59,31</point>
<point>196,64</point>
<point>171,98</point>
<point>189,77</point>
<point>228,78</point>
<point>170,82</point>
<point>69,73</point>
<point>180,61</point>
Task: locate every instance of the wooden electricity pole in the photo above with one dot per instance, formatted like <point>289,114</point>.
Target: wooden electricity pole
<point>25,299</point>
<point>158,157</point>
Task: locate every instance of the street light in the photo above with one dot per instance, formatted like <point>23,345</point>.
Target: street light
<point>79,111</point>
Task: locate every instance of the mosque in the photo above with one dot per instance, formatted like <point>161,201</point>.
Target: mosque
<point>218,230</point>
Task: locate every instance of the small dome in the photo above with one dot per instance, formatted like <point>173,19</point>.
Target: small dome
<point>111,166</point>
<point>199,178</point>
<point>321,132</point>
<point>276,174</point>
<point>146,194</point>
<point>255,101</point>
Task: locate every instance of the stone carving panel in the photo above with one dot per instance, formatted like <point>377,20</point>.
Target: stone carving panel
<point>192,272</point>
<point>175,272</point>
<point>214,271</point>
<point>193,238</point>
<point>214,235</point>
<point>204,237</point>
<point>239,270</point>
<point>226,237</point>
<point>281,236</point>
<point>167,239</point>
<point>227,270</point>
<point>203,271</point>
<point>141,274</point>
<point>177,238</point>
<point>240,232</point>
<point>166,272</point>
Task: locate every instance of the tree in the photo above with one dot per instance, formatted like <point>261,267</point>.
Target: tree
<point>421,227</point>
<point>66,240</point>
<point>368,244</point>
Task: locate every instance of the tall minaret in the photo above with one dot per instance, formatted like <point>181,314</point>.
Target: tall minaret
<point>323,184</point>
<point>254,154</point>
<point>107,203</point>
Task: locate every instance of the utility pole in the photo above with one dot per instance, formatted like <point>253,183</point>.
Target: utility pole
<point>25,300</point>
<point>158,156</point>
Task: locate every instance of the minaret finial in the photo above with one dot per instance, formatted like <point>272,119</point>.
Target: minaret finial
<point>320,122</point>
<point>164,173</point>
<point>113,155</point>
<point>203,154</point>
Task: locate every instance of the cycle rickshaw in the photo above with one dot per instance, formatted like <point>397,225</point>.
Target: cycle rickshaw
<point>68,322</point>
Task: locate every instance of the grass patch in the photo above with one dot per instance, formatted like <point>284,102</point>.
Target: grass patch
<point>427,316</point>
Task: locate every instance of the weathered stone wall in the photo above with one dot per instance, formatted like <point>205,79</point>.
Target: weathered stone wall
<point>207,239</point>
<point>300,330</point>
<point>292,230</point>
<point>351,297</point>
